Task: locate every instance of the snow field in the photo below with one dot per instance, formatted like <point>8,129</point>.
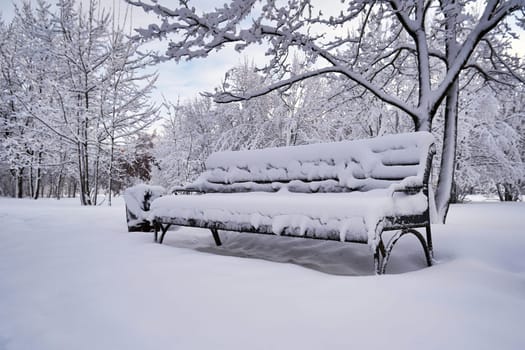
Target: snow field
<point>73,278</point>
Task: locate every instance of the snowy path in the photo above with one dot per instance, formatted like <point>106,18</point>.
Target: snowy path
<point>73,278</point>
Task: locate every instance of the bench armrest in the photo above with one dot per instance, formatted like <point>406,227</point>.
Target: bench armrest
<point>408,189</point>
<point>410,185</point>
<point>183,190</point>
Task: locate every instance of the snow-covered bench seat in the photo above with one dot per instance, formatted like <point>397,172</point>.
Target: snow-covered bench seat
<point>349,191</point>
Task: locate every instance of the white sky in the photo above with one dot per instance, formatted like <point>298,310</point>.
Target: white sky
<point>186,79</point>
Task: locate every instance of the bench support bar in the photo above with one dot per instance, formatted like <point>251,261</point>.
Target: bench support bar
<point>164,228</point>
<point>382,254</point>
<point>429,240</point>
<point>216,237</point>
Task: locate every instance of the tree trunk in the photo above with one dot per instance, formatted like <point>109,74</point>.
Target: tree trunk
<point>448,154</point>
<point>60,182</point>
<point>87,189</point>
<point>31,181</point>
<point>97,164</point>
<point>19,190</point>
<point>52,188</point>
<point>81,175</point>
<point>507,192</point>
<point>38,184</point>
<point>110,177</point>
<point>38,180</point>
<point>74,188</point>
<point>83,172</point>
<point>41,188</point>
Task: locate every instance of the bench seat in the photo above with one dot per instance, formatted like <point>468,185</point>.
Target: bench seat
<point>350,216</point>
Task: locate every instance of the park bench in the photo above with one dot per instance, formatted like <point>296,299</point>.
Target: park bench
<point>350,191</point>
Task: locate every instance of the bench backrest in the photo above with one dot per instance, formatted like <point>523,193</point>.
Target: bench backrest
<point>359,165</point>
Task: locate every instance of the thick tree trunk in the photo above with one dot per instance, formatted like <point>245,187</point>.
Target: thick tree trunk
<point>501,195</point>
<point>448,154</point>
<point>507,192</point>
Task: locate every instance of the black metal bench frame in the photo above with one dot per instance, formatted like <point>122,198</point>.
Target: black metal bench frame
<point>403,224</point>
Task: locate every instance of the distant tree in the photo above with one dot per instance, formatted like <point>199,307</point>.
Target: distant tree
<point>125,108</point>
<point>489,157</point>
<point>190,134</point>
<point>25,94</point>
<point>135,161</point>
<point>72,91</point>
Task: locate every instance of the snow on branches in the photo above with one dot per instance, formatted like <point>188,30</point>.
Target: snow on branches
<point>408,54</point>
<point>72,81</point>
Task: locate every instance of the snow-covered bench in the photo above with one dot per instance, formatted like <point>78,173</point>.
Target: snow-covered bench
<point>138,200</point>
<point>350,191</point>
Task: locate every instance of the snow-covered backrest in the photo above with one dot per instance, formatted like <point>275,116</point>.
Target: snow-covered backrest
<point>362,165</point>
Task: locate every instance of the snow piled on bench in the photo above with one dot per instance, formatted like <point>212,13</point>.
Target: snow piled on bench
<point>362,175</point>
<point>134,197</point>
<point>350,216</point>
<point>324,167</point>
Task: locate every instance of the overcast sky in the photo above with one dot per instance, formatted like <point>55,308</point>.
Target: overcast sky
<point>186,79</point>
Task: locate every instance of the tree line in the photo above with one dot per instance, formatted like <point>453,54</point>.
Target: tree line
<point>491,130</point>
<point>74,101</point>
<point>75,96</point>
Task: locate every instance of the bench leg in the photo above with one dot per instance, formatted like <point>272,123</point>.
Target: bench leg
<point>164,229</point>
<point>380,253</point>
<point>156,230</point>
<point>394,240</point>
<point>429,240</point>
<point>379,257</point>
<point>216,237</point>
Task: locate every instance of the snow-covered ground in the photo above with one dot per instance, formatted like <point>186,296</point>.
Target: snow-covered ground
<point>72,277</point>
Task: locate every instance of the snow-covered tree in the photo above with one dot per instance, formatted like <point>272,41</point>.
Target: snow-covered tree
<point>73,90</point>
<point>309,111</point>
<point>369,43</point>
<point>125,109</point>
<point>190,135</point>
<point>25,69</point>
<point>489,158</point>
